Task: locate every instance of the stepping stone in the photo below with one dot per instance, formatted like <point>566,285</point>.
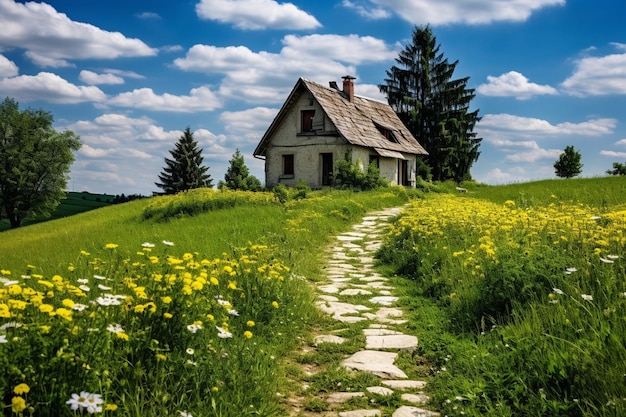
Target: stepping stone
<point>355,234</point>
<point>344,238</point>
<point>360,413</point>
<point>408,411</point>
<point>341,280</point>
<point>355,291</point>
<point>388,313</point>
<point>329,289</point>
<point>342,397</point>
<point>349,319</point>
<point>393,341</point>
<point>327,297</point>
<point>336,308</point>
<point>415,398</point>
<point>384,300</point>
<point>375,362</point>
<point>373,278</point>
<point>380,390</point>
<point>384,292</point>
<point>380,332</point>
<point>329,338</point>
<point>404,384</point>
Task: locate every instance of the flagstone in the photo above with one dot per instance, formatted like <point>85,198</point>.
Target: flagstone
<point>415,398</point>
<point>375,362</point>
<point>329,338</point>
<point>380,332</point>
<point>342,397</point>
<point>360,413</point>
<point>355,291</point>
<point>380,390</point>
<point>410,411</point>
<point>403,384</point>
<point>385,300</point>
<point>391,341</point>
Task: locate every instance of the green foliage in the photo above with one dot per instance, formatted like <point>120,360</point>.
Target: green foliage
<point>284,194</point>
<point>35,160</point>
<point>519,306</point>
<point>349,175</point>
<point>618,169</point>
<point>185,170</point>
<point>238,176</point>
<point>202,200</point>
<point>568,165</point>
<point>434,106</point>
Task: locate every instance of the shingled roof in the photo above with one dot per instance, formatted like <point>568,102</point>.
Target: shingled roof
<point>360,121</point>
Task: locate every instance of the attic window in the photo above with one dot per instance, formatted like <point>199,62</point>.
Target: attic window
<point>387,133</point>
<point>307,120</point>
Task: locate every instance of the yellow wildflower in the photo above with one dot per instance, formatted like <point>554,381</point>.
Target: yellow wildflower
<point>64,313</point>
<point>167,315</point>
<point>275,304</point>
<point>110,246</point>
<point>21,389</point>
<point>18,404</point>
<point>46,308</point>
<point>166,300</point>
<point>247,334</point>
<point>250,323</point>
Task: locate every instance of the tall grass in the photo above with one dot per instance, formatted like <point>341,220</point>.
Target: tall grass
<point>526,297</point>
<point>116,312</point>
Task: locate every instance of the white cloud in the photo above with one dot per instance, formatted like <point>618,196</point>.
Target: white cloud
<point>256,14</point>
<point>52,38</point>
<point>268,77</point>
<point>596,76</point>
<point>148,15</point>
<point>442,12</point>
<point>621,142</point>
<point>92,78</point>
<point>513,84</point>
<point>49,87</point>
<point>367,11</point>
<point>199,99</point>
<point>370,91</point>
<point>248,126</point>
<point>7,67</point>
<point>528,126</point>
<point>613,154</point>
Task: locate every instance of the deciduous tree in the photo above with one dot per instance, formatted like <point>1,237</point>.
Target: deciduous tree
<point>568,165</point>
<point>434,106</point>
<point>184,171</point>
<point>35,162</point>
<point>618,169</point>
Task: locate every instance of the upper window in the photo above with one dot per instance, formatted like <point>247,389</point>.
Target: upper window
<point>388,134</point>
<point>288,164</point>
<point>307,120</point>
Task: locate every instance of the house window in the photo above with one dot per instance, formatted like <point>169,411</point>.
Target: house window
<point>388,134</point>
<point>288,165</point>
<point>307,120</point>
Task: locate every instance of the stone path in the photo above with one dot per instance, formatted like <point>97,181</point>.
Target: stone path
<point>350,277</point>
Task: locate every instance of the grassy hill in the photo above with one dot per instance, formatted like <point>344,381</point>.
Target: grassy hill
<point>74,203</point>
<point>212,296</point>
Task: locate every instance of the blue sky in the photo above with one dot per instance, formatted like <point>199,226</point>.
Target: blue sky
<point>130,76</point>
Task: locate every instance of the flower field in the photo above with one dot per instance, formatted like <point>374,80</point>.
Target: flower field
<point>159,333</point>
<point>533,300</point>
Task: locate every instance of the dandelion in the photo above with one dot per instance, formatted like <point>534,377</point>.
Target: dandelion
<point>247,334</point>
<point>18,404</point>
<point>110,407</point>
<point>167,315</point>
<point>587,297</point>
<point>275,304</point>
<point>161,357</point>
<point>110,246</point>
<point>250,323</point>
<point>21,389</point>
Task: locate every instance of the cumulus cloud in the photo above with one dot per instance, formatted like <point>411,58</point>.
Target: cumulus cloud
<point>529,126</point>
<point>367,10</point>
<point>256,14</point>
<point>442,12</point>
<point>7,67</point>
<point>51,38</point>
<point>513,84</point>
<point>148,15</point>
<point>92,78</point>
<point>49,87</point>
<point>268,77</point>
<point>613,154</point>
<point>595,76</point>
<point>199,99</point>
<point>248,126</point>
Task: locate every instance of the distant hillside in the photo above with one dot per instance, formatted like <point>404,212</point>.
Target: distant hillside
<point>74,203</point>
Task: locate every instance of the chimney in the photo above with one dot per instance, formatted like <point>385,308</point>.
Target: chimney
<point>348,87</point>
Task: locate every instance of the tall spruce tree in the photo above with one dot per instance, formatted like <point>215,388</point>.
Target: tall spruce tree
<point>185,170</point>
<point>434,106</point>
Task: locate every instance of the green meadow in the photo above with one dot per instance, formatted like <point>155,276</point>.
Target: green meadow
<point>192,304</point>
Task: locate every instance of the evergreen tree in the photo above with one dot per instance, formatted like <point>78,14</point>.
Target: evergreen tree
<point>238,176</point>
<point>185,170</point>
<point>568,165</point>
<point>34,162</point>
<point>434,106</point>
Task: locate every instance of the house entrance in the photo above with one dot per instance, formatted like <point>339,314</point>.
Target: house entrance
<point>327,168</point>
<point>403,172</point>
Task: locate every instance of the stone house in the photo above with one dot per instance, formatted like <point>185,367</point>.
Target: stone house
<point>318,125</point>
